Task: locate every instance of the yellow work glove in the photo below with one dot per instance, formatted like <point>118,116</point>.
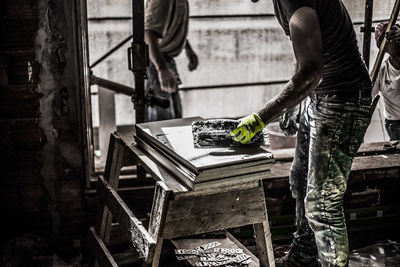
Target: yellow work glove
<point>248,127</point>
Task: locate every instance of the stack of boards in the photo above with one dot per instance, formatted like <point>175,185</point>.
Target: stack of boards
<point>170,143</point>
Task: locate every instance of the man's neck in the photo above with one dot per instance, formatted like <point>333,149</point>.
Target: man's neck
<point>395,62</point>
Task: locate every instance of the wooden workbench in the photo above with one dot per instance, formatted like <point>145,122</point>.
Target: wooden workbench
<point>176,211</point>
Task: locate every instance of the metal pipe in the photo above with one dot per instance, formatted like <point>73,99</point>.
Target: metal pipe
<point>116,87</point>
<point>367,29</point>
<point>219,16</point>
<point>112,50</point>
<point>223,86</point>
<point>138,39</point>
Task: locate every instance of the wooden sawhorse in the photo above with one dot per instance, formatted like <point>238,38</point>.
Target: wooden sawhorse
<point>176,211</point>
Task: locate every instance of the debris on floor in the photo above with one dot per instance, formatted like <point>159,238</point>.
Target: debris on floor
<point>212,254</point>
<point>383,254</point>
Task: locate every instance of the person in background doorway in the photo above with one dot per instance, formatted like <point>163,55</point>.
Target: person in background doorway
<point>388,80</point>
<point>166,29</point>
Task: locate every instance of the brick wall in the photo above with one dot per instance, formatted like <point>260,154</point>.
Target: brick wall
<point>40,144</point>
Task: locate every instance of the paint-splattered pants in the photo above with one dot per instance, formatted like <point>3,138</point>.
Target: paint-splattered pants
<point>153,85</point>
<point>331,131</point>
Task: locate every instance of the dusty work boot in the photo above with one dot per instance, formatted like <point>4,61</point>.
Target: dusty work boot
<point>291,260</point>
<point>299,255</point>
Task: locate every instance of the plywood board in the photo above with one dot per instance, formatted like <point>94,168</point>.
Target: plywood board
<point>175,138</point>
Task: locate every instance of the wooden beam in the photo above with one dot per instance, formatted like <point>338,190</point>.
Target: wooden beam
<point>281,169</point>
<point>112,171</point>
<point>107,119</point>
<point>99,250</point>
<point>137,234</point>
<point>115,156</point>
<point>376,162</point>
<point>287,154</point>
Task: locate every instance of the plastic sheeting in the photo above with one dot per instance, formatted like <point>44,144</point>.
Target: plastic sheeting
<point>383,254</point>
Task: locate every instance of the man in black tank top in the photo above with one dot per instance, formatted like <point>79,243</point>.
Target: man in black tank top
<point>331,73</point>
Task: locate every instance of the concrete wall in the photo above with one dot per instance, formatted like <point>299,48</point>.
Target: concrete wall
<point>230,50</point>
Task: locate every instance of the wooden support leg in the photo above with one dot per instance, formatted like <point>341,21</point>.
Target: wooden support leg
<point>112,170</point>
<point>157,219</point>
<point>157,254</point>
<point>264,244</point>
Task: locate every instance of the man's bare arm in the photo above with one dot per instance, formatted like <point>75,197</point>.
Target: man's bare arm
<point>167,77</point>
<point>305,34</point>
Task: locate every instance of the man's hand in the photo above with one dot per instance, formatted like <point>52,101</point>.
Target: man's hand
<point>288,120</point>
<point>394,34</point>
<point>192,57</point>
<point>168,80</point>
<point>248,127</point>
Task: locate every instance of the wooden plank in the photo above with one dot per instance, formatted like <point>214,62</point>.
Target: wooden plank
<point>112,170</point>
<point>282,169</point>
<point>226,242</point>
<point>115,156</point>
<point>137,234</point>
<point>232,181</point>
<point>377,147</point>
<point>99,250</point>
<point>376,162</point>
<point>234,170</point>
<point>175,138</point>
<point>216,190</point>
<point>264,244</point>
<point>366,148</point>
<point>107,119</point>
<point>201,214</point>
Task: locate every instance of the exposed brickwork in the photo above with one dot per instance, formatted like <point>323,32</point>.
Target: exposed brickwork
<point>41,181</point>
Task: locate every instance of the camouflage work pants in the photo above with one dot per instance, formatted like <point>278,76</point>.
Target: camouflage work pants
<point>331,131</point>
<point>153,85</point>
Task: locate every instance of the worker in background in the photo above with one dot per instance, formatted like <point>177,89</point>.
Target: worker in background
<point>388,80</point>
<point>166,29</point>
<point>331,73</point>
